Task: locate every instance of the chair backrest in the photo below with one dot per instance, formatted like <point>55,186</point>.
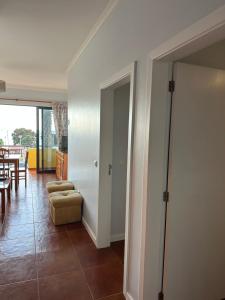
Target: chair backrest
<point>26,159</point>
<point>4,151</point>
<point>4,173</point>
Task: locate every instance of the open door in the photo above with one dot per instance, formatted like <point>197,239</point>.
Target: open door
<point>105,168</point>
<point>195,246</point>
<point>46,140</point>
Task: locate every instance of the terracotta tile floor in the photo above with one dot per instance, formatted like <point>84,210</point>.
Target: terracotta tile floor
<point>41,261</point>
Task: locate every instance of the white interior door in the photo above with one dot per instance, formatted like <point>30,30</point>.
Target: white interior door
<point>105,168</point>
<point>119,161</point>
<point>195,247</point>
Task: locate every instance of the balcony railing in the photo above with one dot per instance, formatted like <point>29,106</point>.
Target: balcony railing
<point>15,149</point>
<point>49,155</point>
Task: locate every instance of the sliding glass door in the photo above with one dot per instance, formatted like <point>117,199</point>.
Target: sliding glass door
<point>46,140</point>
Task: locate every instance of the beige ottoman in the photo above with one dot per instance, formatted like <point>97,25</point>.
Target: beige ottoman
<point>65,207</point>
<point>62,185</point>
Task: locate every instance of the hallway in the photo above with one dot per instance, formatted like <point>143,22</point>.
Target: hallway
<point>41,261</point>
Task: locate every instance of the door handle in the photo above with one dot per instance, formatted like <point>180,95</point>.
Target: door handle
<point>110,170</point>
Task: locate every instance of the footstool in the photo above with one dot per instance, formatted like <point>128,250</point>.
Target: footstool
<point>65,207</point>
<point>62,185</point>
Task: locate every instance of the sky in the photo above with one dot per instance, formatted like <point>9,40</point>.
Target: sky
<point>12,117</point>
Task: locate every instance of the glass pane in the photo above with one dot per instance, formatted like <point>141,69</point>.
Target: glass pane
<point>40,137</point>
<point>48,140</point>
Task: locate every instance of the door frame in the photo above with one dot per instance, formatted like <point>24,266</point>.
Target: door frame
<point>127,75</point>
<point>199,35</point>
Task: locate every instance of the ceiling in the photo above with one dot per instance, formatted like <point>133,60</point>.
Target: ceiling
<point>39,38</point>
<point>212,56</point>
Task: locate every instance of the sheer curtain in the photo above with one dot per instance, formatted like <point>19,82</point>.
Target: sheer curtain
<point>60,113</point>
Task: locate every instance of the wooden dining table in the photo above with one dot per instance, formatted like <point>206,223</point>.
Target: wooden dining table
<point>13,159</point>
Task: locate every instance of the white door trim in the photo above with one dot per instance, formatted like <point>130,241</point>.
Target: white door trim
<point>124,76</point>
<point>201,34</point>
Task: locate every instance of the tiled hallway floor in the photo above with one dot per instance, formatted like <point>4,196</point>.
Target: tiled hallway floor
<point>41,261</point>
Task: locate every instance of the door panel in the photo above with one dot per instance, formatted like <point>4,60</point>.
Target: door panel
<point>195,247</point>
<point>46,140</point>
<point>105,169</point>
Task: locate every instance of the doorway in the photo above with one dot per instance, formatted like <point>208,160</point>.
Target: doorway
<point>18,132</point>
<point>32,129</point>
<point>195,222</point>
<point>115,161</point>
<point>200,35</point>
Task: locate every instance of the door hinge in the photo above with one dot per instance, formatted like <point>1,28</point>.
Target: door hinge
<point>171,86</point>
<point>161,296</point>
<point>110,169</point>
<point>166,196</point>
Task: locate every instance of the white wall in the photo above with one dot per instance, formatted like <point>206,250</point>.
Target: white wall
<point>119,160</point>
<point>132,30</point>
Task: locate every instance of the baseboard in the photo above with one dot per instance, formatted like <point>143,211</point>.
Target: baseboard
<point>129,297</point>
<point>89,230</point>
<point>118,237</point>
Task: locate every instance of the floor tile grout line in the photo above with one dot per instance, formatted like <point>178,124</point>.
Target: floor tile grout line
<point>101,265</point>
<point>17,282</point>
<point>105,297</point>
<point>89,268</point>
<point>35,199</point>
<point>36,262</point>
<point>38,279</point>
<point>57,274</point>
<point>89,288</point>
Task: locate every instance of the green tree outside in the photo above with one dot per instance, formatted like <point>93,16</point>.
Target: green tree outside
<point>1,142</point>
<point>24,137</point>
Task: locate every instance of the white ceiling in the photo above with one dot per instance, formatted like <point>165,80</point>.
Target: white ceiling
<point>39,38</point>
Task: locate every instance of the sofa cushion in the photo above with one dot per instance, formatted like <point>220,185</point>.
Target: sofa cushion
<point>62,185</point>
<point>65,199</point>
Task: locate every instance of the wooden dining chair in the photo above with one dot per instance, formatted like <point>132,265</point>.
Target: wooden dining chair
<point>22,170</point>
<point>5,153</point>
<point>5,184</point>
